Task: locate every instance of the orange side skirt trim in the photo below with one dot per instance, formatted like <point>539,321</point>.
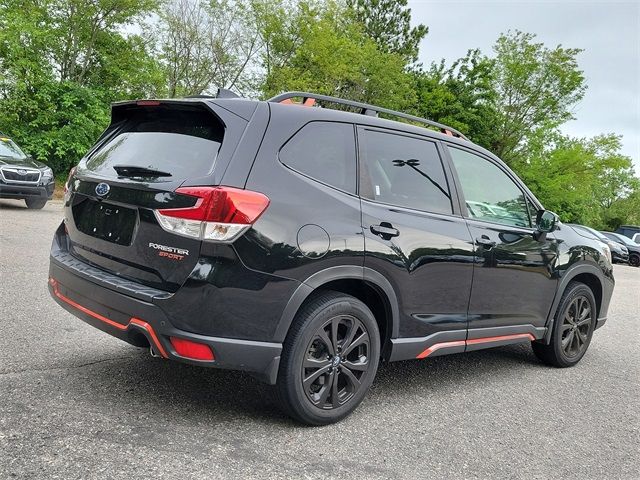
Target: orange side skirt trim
<point>135,321</point>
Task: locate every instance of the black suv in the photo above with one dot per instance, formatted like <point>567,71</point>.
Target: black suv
<point>306,244</point>
<point>22,177</point>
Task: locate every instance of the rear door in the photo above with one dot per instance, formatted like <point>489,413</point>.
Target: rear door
<point>513,284</point>
<point>414,234</point>
<point>150,149</point>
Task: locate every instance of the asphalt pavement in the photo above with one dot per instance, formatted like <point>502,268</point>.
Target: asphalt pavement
<point>76,403</point>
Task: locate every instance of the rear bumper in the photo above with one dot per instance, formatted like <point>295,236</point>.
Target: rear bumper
<point>26,191</point>
<point>141,323</point>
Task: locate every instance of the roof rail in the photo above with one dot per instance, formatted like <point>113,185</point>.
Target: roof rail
<point>364,109</point>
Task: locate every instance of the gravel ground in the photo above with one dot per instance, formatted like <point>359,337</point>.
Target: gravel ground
<point>77,403</point>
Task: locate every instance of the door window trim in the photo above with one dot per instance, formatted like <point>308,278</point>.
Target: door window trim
<point>461,198</point>
<point>446,170</point>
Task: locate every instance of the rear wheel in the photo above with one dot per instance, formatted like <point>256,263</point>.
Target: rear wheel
<point>634,260</point>
<point>572,329</point>
<point>329,359</point>
<point>35,203</point>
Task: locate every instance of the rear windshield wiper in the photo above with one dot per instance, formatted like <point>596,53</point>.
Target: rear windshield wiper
<point>133,171</point>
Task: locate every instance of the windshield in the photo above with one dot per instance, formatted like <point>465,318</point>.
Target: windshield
<point>593,232</point>
<point>10,149</point>
<point>621,239</point>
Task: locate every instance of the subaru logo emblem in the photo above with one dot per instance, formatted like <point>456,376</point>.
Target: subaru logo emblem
<point>22,172</point>
<point>102,189</point>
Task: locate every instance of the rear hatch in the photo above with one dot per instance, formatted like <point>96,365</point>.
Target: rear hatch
<point>150,149</point>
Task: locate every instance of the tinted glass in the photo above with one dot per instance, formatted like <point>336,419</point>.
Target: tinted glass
<point>182,143</point>
<point>10,149</point>
<point>489,192</point>
<point>403,171</point>
<point>593,232</point>
<point>621,239</point>
<point>324,151</point>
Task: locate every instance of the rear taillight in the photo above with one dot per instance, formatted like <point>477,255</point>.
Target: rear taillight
<point>220,214</point>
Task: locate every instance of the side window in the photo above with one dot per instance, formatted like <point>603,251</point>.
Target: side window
<point>490,193</point>
<point>403,171</point>
<point>324,151</point>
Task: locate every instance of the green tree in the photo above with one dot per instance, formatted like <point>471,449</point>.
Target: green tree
<point>583,180</point>
<point>461,95</point>
<point>207,44</point>
<point>331,55</point>
<point>57,123</point>
<point>388,23</point>
<point>624,211</point>
<point>62,63</point>
<point>535,89</point>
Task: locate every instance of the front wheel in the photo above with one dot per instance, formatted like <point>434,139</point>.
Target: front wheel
<point>35,203</point>
<point>573,328</point>
<point>329,359</point>
<point>634,260</point>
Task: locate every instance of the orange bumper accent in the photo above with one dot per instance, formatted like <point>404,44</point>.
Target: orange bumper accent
<point>132,321</point>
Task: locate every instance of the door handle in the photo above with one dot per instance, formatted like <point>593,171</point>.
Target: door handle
<point>485,241</point>
<point>384,230</point>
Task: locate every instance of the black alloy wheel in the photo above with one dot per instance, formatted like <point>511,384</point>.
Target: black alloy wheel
<point>336,359</point>
<point>575,327</point>
<point>329,358</point>
<point>572,329</point>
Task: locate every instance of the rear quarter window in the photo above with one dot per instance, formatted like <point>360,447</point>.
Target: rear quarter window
<point>182,142</point>
<point>323,151</point>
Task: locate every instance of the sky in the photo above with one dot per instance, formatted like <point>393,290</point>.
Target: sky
<point>607,31</point>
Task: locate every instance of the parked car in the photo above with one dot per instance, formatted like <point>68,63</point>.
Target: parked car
<point>634,248</point>
<point>22,177</point>
<point>628,230</point>
<point>619,252</point>
<point>304,245</point>
<point>636,237</point>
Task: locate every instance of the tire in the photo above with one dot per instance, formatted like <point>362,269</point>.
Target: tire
<point>634,260</point>
<point>573,328</point>
<point>35,203</point>
<point>337,379</point>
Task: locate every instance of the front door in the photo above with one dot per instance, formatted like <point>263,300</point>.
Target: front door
<point>416,238</point>
<point>513,285</point>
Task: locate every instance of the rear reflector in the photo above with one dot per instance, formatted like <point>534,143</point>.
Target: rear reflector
<point>193,350</point>
<point>220,213</point>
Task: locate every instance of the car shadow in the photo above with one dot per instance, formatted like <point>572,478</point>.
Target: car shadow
<point>171,391</point>
<point>13,204</point>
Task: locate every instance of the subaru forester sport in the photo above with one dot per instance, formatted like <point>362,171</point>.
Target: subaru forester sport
<point>305,239</point>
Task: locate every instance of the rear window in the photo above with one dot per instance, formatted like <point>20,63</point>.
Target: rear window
<point>176,142</point>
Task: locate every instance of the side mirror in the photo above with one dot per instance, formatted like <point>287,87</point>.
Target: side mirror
<point>546,222</point>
